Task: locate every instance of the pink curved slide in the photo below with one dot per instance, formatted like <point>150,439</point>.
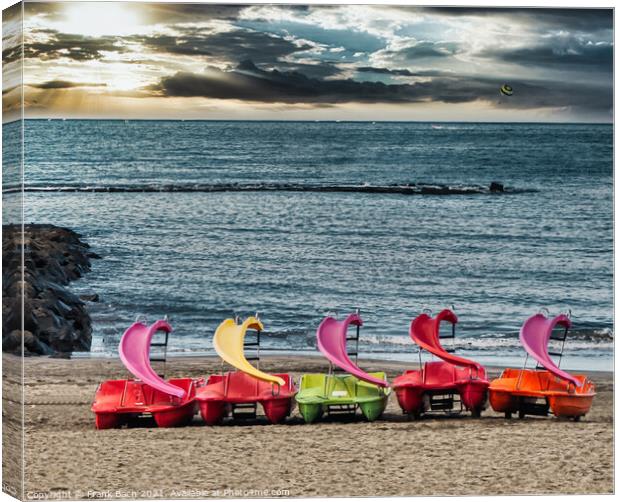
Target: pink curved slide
<point>535,334</point>
<point>332,341</point>
<point>134,350</point>
<point>424,331</point>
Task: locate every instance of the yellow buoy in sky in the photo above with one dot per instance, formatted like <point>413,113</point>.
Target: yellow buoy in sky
<point>506,90</point>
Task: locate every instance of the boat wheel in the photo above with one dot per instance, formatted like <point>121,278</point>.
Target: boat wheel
<point>577,418</point>
<point>507,414</point>
<point>521,414</point>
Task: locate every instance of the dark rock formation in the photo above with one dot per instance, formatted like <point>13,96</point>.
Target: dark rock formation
<point>398,189</point>
<point>496,187</point>
<point>55,320</point>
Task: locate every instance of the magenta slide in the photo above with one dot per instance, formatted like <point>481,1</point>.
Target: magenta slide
<point>134,350</point>
<point>424,331</point>
<point>535,334</point>
<point>332,340</point>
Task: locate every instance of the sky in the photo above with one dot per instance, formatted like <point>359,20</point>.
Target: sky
<point>347,62</point>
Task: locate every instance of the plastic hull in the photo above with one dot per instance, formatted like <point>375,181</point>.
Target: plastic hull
<point>117,402</point>
<point>536,392</point>
<point>320,393</point>
<point>222,392</point>
<point>439,377</point>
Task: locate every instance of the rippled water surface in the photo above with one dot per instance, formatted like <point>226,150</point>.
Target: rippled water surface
<point>293,256</point>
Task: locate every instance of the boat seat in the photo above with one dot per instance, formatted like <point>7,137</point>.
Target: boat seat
<point>240,385</point>
<point>438,373</point>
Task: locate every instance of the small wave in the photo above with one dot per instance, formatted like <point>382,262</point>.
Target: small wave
<point>594,335</point>
<point>400,189</point>
<point>585,339</point>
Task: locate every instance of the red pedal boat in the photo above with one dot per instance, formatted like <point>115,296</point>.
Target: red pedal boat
<point>239,392</point>
<point>171,403</point>
<point>434,386</point>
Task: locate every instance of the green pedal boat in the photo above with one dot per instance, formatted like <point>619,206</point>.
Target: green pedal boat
<point>341,394</point>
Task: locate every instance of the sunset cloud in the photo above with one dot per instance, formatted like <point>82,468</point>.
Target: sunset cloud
<point>559,61</point>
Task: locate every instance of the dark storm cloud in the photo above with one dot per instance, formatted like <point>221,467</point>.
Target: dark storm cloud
<point>235,45</point>
<point>312,70</point>
<point>424,50</point>
<point>591,97</point>
<point>11,54</point>
<point>562,51</point>
<point>76,47</point>
<point>11,33</point>
<point>403,72</point>
<point>586,20</point>
<point>572,55</point>
<point>249,83</point>
<point>64,84</point>
<point>230,46</point>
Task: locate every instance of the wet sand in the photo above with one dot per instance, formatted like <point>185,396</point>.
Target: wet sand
<point>440,455</point>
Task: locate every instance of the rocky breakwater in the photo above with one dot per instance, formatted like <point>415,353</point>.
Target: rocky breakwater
<point>56,321</point>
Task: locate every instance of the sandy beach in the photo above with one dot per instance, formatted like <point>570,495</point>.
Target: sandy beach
<point>440,455</point>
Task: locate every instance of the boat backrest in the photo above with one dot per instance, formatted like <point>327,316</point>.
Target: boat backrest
<point>438,373</point>
<point>362,388</point>
<point>334,385</point>
<point>239,385</point>
<point>312,381</point>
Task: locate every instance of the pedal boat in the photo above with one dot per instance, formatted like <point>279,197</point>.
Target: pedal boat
<point>238,393</point>
<point>118,402</point>
<point>540,391</point>
<point>341,394</point>
<point>435,385</point>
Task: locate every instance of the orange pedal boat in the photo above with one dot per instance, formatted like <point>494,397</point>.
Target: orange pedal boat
<point>540,391</point>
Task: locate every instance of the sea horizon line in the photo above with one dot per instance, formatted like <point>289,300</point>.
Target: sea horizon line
<point>309,121</point>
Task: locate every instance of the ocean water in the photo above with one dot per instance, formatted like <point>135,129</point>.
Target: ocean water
<point>169,206</point>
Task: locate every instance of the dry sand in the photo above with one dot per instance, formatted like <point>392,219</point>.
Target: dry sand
<point>66,457</point>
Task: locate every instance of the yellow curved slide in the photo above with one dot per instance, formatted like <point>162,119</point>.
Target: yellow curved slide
<point>228,343</point>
